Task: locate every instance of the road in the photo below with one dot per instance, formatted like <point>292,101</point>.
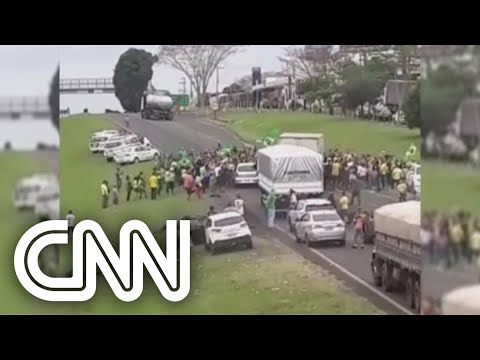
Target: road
<point>350,265</point>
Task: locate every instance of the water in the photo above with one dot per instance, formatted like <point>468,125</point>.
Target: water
<point>25,134</point>
<point>95,103</point>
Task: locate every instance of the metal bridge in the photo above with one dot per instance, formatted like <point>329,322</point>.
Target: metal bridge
<point>87,85</point>
<point>16,108</point>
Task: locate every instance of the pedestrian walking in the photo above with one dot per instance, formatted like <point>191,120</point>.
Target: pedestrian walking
<point>402,191</point>
<point>153,182</point>
<point>105,193</point>
<point>359,228</point>
<point>129,187</point>
<point>71,223</point>
<point>239,205</point>
<point>169,181</point>
<point>118,177</point>
<point>344,206</point>
<point>270,205</point>
<point>199,187</point>
<point>115,196</point>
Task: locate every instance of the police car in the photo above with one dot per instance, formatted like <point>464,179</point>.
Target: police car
<point>47,206</point>
<point>120,143</point>
<point>135,154</point>
<point>226,230</point>
<point>29,188</point>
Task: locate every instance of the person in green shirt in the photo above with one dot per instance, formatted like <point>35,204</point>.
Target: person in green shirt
<point>269,203</point>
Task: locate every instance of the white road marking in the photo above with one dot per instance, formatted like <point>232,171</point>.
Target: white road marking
<point>353,276</point>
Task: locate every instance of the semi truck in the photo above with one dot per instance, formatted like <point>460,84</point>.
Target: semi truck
<point>462,301</point>
<point>311,141</point>
<point>157,105</point>
<point>285,167</point>
<point>397,255</point>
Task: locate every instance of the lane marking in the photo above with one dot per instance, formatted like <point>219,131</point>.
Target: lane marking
<point>353,276</point>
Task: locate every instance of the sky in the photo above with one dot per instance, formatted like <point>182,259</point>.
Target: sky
<point>78,61</point>
<point>27,70</point>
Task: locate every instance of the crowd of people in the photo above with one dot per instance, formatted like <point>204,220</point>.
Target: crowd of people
<point>211,171</point>
<point>355,172</point>
<point>451,240</point>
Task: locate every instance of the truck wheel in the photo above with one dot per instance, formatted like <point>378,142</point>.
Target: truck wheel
<point>417,296</point>
<point>387,272</point>
<point>409,291</point>
<point>377,276</point>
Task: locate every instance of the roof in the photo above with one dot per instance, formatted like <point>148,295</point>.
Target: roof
<point>324,212</point>
<point>317,202</point>
<point>292,151</point>
<point>468,117</point>
<point>224,215</point>
<point>301,135</point>
<point>462,301</point>
<point>246,164</point>
<point>401,220</point>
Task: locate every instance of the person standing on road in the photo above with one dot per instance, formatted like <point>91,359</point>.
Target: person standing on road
<point>161,179</point>
<point>356,189</point>
<point>336,166</point>
<point>199,187</point>
<point>129,187</point>
<point>115,196</point>
<point>105,192</point>
<point>188,184</point>
<point>118,177</point>
<point>153,182</point>
<point>239,204</point>
<point>293,198</point>
<point>358,225</point>
<point>396,175</point>
<point>344,206</point>
<point>383,175</point>
<point>71,223</point>
<point>169,181</point>
<point>271,208</point>
<point>402,191</point>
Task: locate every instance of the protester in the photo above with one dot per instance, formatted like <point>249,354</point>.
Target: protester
<point>239,205</point>
<point>71,223</point>
<point>105,193</point>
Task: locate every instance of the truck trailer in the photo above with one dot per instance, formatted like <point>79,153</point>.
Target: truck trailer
<point>397,255</point>
<point>285,167</point>
<point>311,141</point>
<point>157,105</point>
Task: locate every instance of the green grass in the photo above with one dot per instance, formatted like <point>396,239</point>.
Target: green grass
<point>447,187</point>
<point>13,224</point>
<point>271,279</point>
<point>350,134</point>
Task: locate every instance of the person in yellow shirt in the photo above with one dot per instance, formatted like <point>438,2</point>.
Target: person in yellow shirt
<point>344,203</point>
<point>396,175</point>
<point>335,172</point>
<point>105,192</point>
<point>456,236</point>
<point>383,175</point>
<point>153,181</point>
<point>402,191</point>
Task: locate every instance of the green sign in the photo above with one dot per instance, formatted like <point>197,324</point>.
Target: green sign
<point>181,100</point>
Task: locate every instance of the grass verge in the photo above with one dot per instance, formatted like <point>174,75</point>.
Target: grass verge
<point>350,134</point>
<point>448,186</point>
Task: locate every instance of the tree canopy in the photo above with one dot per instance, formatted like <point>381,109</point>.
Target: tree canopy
<point>133,72</point>
<point>54,99</point>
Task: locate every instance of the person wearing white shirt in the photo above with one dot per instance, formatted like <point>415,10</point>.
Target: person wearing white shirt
<point>239,205</point>
<point>71,222</point>
<point>293,198</point>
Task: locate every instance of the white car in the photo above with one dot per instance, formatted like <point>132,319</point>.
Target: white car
<point>417,181</point>
<point>226,230</point>
<point>136,154</point>
<point>246,173</point>
<point>28,189</point>
<point>47,206</point>
<point>320,226</point>
<point>99,140</point>
<point>105,132</point>
<point>304,206</point>
<point>116,144</point>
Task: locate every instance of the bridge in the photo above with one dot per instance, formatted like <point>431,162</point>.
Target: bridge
<point>87,86</point>
<point>18,107</point>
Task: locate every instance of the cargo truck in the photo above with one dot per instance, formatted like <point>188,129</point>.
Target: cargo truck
<point>314,142</point>
<point>157,105</point>
<point>397,255</point>
<point>285,167</point>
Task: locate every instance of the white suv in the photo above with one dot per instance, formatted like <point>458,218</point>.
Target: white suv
<point>227,230</point>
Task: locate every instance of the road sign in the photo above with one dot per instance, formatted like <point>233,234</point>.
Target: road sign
<point>181,100</point>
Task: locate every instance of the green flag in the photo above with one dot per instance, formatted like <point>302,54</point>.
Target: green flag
<point>411,154</point>
<point>270,138</point>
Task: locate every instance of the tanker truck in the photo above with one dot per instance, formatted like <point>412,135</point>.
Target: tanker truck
<point>397,255</point>
<point>157,105</point>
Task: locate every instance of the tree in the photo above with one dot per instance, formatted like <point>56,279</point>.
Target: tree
<point>311,60</point>
<point>54,99</point>
<point>411,108</point>
<point>133,72</point>
<point>197,62</point>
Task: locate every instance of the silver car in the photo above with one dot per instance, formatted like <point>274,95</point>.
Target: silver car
<point>320,226</point>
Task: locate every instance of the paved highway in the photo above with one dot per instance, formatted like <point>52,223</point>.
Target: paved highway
<point>352,266</point>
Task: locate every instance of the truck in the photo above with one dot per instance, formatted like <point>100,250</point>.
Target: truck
<point>311,141</point>
<point>285,167</point>
<point>462,301</point>
<point>396,260</point>
<point>157,105</point>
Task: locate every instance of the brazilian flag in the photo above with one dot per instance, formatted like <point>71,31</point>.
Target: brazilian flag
<point>411,154</point>
<point>228,150</point>
<point>270,138</point>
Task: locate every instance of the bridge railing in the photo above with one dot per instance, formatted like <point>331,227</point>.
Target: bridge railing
<point>86,84</point>
<point>24,105</point>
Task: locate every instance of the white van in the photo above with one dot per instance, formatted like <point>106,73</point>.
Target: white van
<point>47,206</point>
<point>98,140</point>
<point>28,189</point>
<point>115,145</point>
